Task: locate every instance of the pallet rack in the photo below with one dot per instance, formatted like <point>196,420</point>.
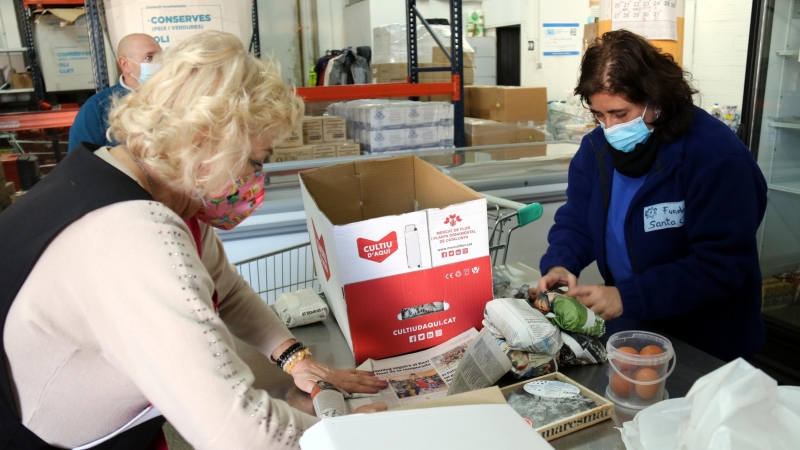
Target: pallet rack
<point>412,88</point>
<point>26,9</point>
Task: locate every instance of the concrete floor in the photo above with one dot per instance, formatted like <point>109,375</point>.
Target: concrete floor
<point>527,246</point>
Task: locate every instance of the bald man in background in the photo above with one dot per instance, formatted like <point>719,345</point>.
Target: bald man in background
<point>135,57</point>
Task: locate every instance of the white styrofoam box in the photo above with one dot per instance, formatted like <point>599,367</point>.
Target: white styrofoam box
<point>65,54</point>
<point>485,81</point>
<point>485,67</point>
<point>484,46</point>
<point>422,136</point>
<point>423,113</point>
<point>169,23</point>
<point>376,141</point>
<point>381,116</point>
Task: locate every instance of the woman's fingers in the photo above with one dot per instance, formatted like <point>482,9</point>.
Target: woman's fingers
<point>371,408</point>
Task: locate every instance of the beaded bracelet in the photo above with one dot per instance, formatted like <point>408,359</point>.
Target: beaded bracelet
<point>296,347</point>
<point>296,358</point>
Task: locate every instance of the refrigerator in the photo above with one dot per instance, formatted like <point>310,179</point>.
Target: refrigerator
<point>771,129</point>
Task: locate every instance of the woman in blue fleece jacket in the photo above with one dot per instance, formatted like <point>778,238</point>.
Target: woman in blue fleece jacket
<point>667,200</point>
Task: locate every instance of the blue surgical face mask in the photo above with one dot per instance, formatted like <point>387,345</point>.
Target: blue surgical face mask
<point>625,136</point>
<point>148,70</point>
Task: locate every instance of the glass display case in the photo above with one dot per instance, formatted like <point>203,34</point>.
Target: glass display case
<point>771,129</point>
<point>522,172</point>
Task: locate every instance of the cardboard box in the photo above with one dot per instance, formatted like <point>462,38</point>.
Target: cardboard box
<point>312,130</point>
<point>528,134</point>
<point>563,427</point>
<point>483,99</point>
<point>334,129</point>
<point>283,154</point>
<point>348,149</point>
<point>391,234</point>
<point>488,132</point>
<point>514,104</point>
<point>170,23</point>
<point>62,44</point>
<point>21,81</point>
<point>323,151</point>
<point>775,294</point>
<point>440,59</point>
<point>295,137</point>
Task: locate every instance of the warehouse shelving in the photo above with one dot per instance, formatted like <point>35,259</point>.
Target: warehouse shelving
<point>93,13</point>
<point>412,88</point>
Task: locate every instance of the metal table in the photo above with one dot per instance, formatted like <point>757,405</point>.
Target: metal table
<point>328,345</point>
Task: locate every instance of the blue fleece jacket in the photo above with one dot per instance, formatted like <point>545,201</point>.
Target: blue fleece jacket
<point>91,123</point>
<point>698,280</point>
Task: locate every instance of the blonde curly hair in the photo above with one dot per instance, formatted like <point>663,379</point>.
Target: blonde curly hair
<point>195,121</point>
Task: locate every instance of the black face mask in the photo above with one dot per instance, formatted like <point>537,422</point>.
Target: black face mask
<point>637,163</point>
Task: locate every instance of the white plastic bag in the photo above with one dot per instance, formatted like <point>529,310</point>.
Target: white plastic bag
<point>735,407</point>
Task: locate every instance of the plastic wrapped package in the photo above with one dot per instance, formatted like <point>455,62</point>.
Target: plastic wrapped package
<point>394,125</point>
<point>390,44</point>
<point>544,402</point>
<point>734,407</point>
<point>569,314</point>
<point>522,326</point>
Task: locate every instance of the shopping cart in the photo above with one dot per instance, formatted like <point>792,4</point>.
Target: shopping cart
<point>41,143</point>
<point>292,268</point>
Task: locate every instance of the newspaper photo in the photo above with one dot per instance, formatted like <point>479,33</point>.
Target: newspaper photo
<point>468,362</point>
<point>420,376</point>
<point>481,366</point>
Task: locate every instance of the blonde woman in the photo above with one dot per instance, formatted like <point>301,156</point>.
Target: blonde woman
<point>116,299</point>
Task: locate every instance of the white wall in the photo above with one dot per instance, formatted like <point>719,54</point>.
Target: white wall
<point>719,43</point>
<point>557,73</point>
<point>278,24</point>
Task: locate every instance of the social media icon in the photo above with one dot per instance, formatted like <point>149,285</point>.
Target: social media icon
<point>412,338</point>
<point>466,250</point>
<point>452,253</point>
<point>458,252</point>
<point>444,254</point>
<point>438,333</point>
<point>421,336</point>
<point>430,334</point>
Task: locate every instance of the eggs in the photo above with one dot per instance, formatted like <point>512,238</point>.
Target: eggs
<point>647,391</point>
<point>640,373</point>
<point>621,386</point>
<point>627,366</point>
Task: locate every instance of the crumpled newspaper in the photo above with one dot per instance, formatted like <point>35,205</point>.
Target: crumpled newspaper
<point>527,364</point>
<point>300,307</point>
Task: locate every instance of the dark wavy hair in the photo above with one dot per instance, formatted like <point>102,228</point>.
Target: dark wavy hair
<point>626,64</point>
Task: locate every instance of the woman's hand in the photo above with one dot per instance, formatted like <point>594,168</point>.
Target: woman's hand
<point>371,408</point>
<point>556,277</point>
<point>308,371</point>
<point>603,300</point>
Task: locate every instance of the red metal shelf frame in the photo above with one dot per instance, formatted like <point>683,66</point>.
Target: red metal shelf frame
<point>37,120</point>
<point>29,3</point>
<point>362,91</point>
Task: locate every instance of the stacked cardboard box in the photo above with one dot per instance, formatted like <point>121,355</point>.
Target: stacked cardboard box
<point>384,125</point>
<point>314,138</point>
<point>522,109</point>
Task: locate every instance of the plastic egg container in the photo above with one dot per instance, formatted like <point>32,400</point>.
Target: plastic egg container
<point>640,363</point>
